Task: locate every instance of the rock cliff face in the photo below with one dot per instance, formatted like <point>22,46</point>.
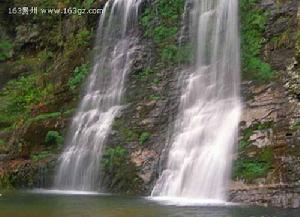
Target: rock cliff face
<point>267,165</point>
<point>43,60</point>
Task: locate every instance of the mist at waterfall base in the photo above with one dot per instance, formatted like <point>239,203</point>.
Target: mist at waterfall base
<point>79,164</point>
<point>201,148</point>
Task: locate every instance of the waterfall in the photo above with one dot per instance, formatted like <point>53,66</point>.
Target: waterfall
<point>79,164</point>
<point>205,133</point>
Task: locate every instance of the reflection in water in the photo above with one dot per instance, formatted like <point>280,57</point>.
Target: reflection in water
<point>54,205</point>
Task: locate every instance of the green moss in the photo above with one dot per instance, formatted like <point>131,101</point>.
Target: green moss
<point>253,22</point>
<point>144,137</point>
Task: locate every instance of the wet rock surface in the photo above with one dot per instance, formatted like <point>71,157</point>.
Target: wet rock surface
<point>270,122</point>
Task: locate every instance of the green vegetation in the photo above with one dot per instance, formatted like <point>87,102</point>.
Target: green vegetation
<point>298,43</point>
<point>5,49</point>
<point>114,158</point>
<point>154,97</point>
<point>78,76</point>
<point>248,132</point>
<point>54,138</point>
<point>21,95</point>
<point>145,73</point>
<point>44,56</point>
<point>251,168</point>
<point>40,155</point>
<point>127,134</point>
<point>144,137</point>
<point>161,21</point>
<point>253,22</point>
<point>3,146</point>
<point>120,172</point>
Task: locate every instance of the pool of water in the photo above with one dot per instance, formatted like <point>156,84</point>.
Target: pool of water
<point>74,204</point>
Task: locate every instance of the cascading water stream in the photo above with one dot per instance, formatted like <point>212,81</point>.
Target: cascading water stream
<point>79,166</point>
<point>200,155</point>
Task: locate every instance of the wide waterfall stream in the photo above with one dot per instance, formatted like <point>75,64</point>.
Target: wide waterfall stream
<point>80,162</point>
<point>200,155</point>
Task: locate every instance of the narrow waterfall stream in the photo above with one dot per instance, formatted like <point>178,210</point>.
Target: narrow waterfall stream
<point>200,155</point>
<point>80,162</point>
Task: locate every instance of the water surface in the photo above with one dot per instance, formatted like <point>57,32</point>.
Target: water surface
<point>28,204</point>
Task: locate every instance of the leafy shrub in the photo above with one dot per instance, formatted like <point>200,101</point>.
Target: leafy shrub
<point>144,137</point>
<point>53,138</point>
<point>5,50</point>
<point>78,76</point>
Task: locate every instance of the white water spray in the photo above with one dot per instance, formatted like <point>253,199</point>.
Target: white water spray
<point>80,162</point>
<point>200,155</point>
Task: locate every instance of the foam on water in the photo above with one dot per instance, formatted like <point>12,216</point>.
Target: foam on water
<point>62,192</point>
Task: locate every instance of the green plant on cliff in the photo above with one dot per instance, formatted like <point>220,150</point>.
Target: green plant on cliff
<point>5,50</point>
<point>161,22</point>
<point>253,22</point>
<point>298,42</point>
<point>40,155</point>
<point>144,137</point>
<point>250,168</point>
<point>119,169</point>
<point>21,94</point>
<point>54,138</point>
<point>248,132</point>
<point>3,146</point>
<point>78,76</point>
<point>113,157</point>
